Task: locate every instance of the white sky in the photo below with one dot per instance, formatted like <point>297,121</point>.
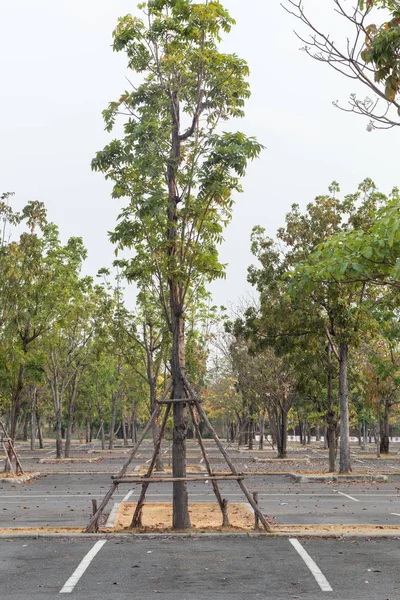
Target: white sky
<point>58,72</point>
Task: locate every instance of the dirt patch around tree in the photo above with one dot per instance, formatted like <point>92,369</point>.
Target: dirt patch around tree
<point>204,516</point>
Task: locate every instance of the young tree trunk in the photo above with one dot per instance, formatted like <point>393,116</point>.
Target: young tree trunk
<point>33,416</point>
<point>16,402</point>
<point>250,433</point>
<point>180,502</point>
<point>59,443</point>
<point>88,420</point>
<point>71,413</point>
<point>330,416</point>
<point>25,427</point>
<point>133,423</point>
<point>101,421</point>
<point>123,425</point>
<point>384,428</point>
<point>262,429</point>
<point>344,457</point>
<point>113,418</point>
<point>155,430</point>
<point>39,430</point>
<point>301,430</point>
<point>282,441</point>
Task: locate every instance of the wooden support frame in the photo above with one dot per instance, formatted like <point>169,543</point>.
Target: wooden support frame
<point>94,521</point>
<point>137,517</point>
<point>148,480</point>
<point>10,453</point>
<point>194,402</point>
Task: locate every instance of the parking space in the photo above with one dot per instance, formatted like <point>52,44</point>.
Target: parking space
<point>219,568</point>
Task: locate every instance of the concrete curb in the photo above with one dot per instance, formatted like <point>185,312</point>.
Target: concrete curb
<point>338,478</point>
<point>21,479</point>
<point>147,536</point>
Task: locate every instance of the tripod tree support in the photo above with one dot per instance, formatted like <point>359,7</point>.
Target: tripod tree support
<point>194,403</point>
<point>94,522</point>
<point>10,453</point>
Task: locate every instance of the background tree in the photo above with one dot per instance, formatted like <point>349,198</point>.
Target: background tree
<point>370,55</point>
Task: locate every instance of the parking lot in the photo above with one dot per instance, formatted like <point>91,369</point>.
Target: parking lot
<point>201,566</point>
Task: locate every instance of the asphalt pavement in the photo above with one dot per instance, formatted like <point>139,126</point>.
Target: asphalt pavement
<point>65,499</point>
<point>202,568</point>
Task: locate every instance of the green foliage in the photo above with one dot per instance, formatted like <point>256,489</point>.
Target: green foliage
<point>176,167</point>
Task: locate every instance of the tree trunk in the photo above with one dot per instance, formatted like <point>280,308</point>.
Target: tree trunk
<point>180,517</point>
<point>330,416</point>
<point>59,432</point>
<point>378,436</point>
<point>133,423</point>
<point>39,430</point>
<point>113,418</point>
<point>101,421</point>
<point>250,433</point>
<point>262,429</point>
<point>71,413</point>
<point>155,430</point>
<point>123,425</point>
<point>16,402</point>
<point>301,430</point>
<point>33,416</point>
<point>282,442</point>
<point>88,420</point>
<point>344,457</point>
<point>385,428</point>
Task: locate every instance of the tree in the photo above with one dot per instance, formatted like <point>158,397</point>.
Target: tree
<point>177,168</point>
<point>37,271</point>
<point>371,56</point>
<point>299,313</point>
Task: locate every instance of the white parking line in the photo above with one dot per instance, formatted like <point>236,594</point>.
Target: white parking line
<point>128,495</point>
<point>347,496</point>
<point>315,570</point>
<point>81,568</point>
<point>395,514</point>
<point>112,517</point>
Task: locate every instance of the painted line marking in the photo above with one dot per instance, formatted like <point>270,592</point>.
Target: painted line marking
<point>128,495</point>
<point>52,496</point>
<point>112,517</point>
<point>81,568</point>
<point>395,514</point>
<point>315,570</point>
<point>347,496</point>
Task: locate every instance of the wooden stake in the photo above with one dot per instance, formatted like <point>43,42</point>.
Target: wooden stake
<point>10,451</point>
<point>136,520</point>
<point>204,478</point>
<point>94,521</point>
<point>214,435</point>
<point>256,525</point>
<point>225,518</point>
<point>207,462</point>
<point>94,506</point>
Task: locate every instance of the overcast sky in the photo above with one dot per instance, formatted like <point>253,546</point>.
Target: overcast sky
<point>58,72</point>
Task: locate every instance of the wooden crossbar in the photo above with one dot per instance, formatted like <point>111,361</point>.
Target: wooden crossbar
<point>176,400</point>
<point>117,481</point>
